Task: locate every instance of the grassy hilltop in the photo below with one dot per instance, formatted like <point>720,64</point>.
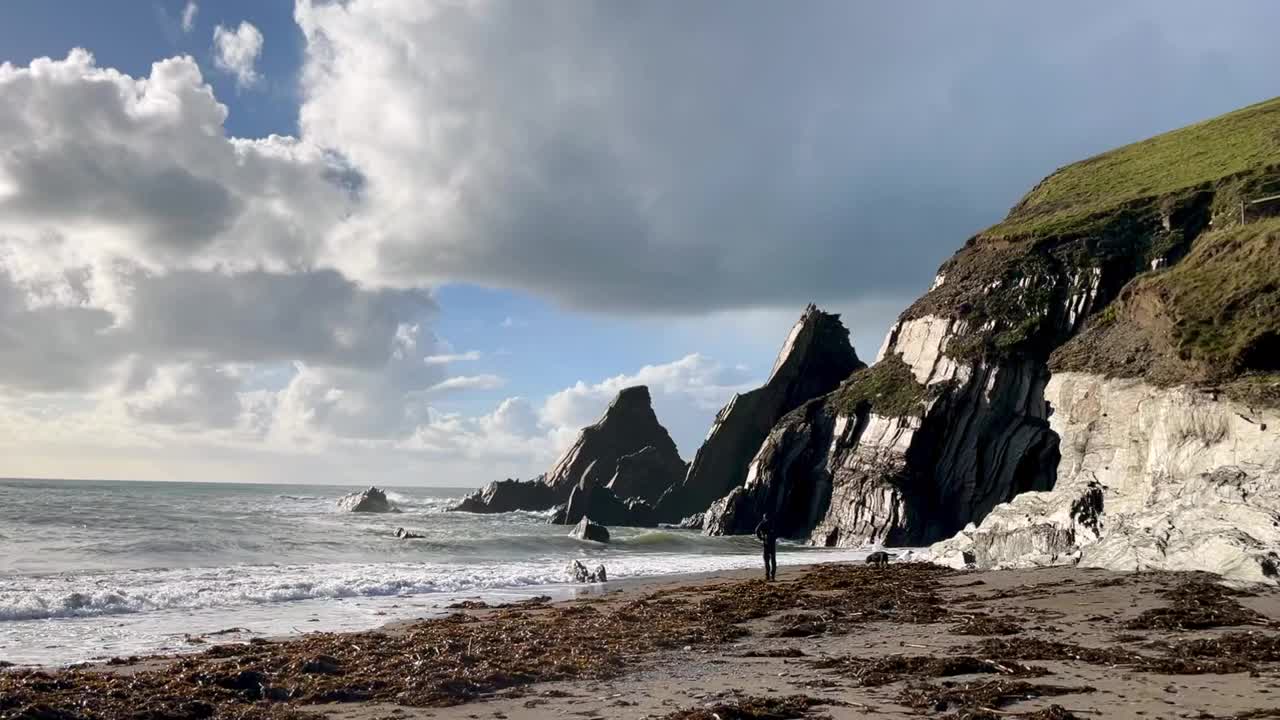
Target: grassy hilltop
<point>1207,155</point>
<point>1134,263</point>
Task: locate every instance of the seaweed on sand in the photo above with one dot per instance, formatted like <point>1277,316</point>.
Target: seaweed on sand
<point>1197,604</point>
<point>877,671</point>
<point>906,592</point>
<point>984,624</point>
<point>1030,648</point>
<point>1230,654</point>
<point>755,708</point>
<point>980,695</point>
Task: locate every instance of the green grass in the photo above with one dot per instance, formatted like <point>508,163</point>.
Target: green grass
<point>1224,298</point>
<point>1194,157</point>
<point>889,388</point>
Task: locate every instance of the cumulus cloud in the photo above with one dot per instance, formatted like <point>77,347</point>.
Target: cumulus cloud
<point>662,157</point>
<point>197,396</point>
<point>159,277</point>
<point>189,16</point>
<point>236,51</point>
<point>157,270</point>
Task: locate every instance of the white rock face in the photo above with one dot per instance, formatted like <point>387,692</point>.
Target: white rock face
<point>1150,478</point>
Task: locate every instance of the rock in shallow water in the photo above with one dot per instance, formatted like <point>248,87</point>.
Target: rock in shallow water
<point>372,500</point>
<point>587,530</point>
<point>579,573</point>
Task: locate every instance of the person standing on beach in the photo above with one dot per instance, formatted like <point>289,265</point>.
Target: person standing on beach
<point>766,533</point>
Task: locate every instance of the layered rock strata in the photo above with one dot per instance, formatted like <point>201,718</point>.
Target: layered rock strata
<point>814,359</point>
<point>1150,478</point>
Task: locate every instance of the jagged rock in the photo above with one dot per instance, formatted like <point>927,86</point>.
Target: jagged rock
<point>600,503</point>
<point>647,473</point>
<point>628,426</point>
<point>627,448</point>
<point>1150,478</point>
<point>693,522</point>
<point>372,500</point>
<point>588,530</point>
<point>815,358</point>
<point>510,495</point>
<point>580,574</point>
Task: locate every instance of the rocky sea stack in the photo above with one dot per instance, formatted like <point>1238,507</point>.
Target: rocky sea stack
<point>371,500</point>
<point>612,472</point>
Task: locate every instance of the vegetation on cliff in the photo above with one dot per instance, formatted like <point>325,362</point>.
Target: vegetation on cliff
<point>887,388</point>
<point>1065,251</point>
<point>1211,319</point>
<point>1196,157</point>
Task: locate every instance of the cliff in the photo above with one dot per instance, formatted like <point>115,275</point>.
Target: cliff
<point>814,359</point>
<point>1131,264</point>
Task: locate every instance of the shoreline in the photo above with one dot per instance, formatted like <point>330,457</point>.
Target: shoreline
<point>1092,642</point>
<point>183,630</point>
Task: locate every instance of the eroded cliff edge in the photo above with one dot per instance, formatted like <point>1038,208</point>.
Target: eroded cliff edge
<point>958,417</point>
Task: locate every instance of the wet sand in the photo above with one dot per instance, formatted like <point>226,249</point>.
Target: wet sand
<point>908,641</point>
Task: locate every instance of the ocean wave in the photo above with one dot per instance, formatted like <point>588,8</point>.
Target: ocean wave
<point>74,596</point>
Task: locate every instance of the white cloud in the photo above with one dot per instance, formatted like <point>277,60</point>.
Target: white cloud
<point>196,396</point>
<point>237,51</point>
<point>641,159</point>
<point>189,16</point>
<point>468,382</point>
<point>448,358</point>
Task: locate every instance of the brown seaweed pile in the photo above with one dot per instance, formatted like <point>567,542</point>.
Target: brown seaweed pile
<point>982,696</point>
<point>1053,712</point>
<point>791,707</point>
<point>460,658</point>
<point>1228,654</point>
<point>1197,604</point>
<point>877,671</point>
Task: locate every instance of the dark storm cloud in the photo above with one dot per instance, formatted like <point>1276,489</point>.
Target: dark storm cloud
<point>675,156</point>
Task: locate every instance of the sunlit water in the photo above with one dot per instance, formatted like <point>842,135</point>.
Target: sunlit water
<point>99,569</point>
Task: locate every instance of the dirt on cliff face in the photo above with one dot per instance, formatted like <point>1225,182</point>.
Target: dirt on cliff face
<point>1211,320</point>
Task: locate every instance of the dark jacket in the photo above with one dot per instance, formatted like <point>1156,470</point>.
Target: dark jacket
<point>766,533</point>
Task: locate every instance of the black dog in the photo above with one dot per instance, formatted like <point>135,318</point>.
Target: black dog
<point>878,558</point>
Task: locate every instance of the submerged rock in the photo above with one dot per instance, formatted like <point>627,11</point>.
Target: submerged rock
<point>814,360</point>
<point>580,574</point>
<point>372,500</point>
<point>585,529</point>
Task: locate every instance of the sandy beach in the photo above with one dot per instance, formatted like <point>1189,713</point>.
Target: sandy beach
<point>838,641</point>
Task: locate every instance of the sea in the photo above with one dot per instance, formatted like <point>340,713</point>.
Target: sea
<point>91,570</point>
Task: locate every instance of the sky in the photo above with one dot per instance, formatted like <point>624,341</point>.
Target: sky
<point>423,242</point>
